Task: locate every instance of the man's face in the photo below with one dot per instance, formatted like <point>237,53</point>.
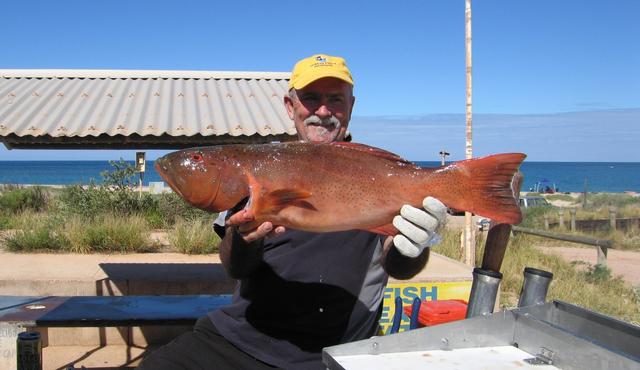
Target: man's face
<point>321,110</point>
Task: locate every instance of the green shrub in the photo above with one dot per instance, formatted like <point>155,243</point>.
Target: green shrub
<point>5,220</point>
<point>533,217</point>
<point>115,195</point>
<point>41,238</point>
<point>172,207</point>
<point>35,232</point>
<point>85,201</point>
<point>103,233</point>
<point>598,273</point>
<point>194,237</point>
<point>611,199</point>
<point>564,197</point>
<point>28,220</point>
<point>17,200</point>
<point>120,176</point>
<point>154,219</point>
<point>92,200</point>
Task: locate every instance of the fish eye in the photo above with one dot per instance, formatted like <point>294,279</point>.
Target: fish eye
<point>197,157</point>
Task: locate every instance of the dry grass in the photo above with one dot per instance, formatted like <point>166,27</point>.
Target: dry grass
<point>589,289</point>
<point>450,244</point>
<point>108,233</point>
<point>194,237</point>
<point>35,231</point>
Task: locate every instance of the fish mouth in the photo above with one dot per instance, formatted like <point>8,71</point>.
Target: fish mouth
<point>169,171</point>
<point>162,168</point>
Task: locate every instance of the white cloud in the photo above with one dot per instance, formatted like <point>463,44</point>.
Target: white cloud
<point>604,135</point>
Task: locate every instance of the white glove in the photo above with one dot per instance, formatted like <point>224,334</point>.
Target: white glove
<point>418,227</point>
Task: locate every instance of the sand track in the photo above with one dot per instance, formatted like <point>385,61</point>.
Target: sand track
<point>623,263</point>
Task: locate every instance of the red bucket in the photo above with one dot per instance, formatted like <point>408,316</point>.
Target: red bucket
<point>439,312</point>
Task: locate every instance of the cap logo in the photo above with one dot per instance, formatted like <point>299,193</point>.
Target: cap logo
<point>318,66</point>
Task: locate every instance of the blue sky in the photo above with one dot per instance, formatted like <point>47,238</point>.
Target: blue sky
<point>558,80</point>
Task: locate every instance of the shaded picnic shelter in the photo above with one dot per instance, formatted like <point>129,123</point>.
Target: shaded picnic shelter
<point>141,109</point>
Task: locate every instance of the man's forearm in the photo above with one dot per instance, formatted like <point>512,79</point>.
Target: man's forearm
<point>399,266</point>
<point>238,257</point>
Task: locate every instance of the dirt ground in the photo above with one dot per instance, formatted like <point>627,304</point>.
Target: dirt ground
<point>623,263</point>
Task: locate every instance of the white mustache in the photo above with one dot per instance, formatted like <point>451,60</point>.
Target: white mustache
<point>315,120</point>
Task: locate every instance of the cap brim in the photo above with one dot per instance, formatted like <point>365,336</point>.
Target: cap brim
<point>302,82</point>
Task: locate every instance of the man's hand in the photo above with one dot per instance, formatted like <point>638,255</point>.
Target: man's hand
<point>265,229</point>
<point>418,227</point>
<point>243,219</point>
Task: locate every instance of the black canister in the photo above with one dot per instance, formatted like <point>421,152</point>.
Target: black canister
<point>29,351</point>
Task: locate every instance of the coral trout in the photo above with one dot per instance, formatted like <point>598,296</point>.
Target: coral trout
<point>336,186</point>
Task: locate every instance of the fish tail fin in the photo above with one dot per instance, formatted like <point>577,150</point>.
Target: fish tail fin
<point>488,187</point>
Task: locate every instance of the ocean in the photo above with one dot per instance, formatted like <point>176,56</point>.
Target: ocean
<point>567,176</point>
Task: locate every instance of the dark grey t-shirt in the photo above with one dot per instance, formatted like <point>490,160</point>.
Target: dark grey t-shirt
<point>312,291</point>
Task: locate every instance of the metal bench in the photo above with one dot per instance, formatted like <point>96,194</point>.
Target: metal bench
<point>22,313</point>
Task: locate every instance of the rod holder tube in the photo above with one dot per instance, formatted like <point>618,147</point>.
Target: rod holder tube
<point>484,291</point>
<point>535,287</point>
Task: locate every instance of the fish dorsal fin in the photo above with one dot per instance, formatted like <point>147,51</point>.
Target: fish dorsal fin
<point>276,200</point>
<point>371,150</point>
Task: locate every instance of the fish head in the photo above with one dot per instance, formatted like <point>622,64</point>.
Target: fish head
<point>194,175</point>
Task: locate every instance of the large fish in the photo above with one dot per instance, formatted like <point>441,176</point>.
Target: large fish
<point>336,186</point>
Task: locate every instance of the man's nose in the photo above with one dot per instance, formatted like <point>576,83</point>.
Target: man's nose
<point>323,111</point>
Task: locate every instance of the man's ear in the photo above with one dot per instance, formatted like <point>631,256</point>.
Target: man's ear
<point>353,102</point>
<point>288,103</point>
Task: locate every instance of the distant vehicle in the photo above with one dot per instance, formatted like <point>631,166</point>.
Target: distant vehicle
<point>533,201</point>
<point>545,186</point>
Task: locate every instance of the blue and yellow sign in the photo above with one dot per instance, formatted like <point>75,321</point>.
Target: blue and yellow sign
<point>425,291</point>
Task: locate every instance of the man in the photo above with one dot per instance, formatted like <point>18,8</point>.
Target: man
<point>298,291</point>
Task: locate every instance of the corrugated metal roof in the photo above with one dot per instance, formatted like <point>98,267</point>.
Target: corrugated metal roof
<point>83,105</point>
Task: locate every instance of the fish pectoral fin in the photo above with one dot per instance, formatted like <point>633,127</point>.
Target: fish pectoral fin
<point>388,230</point>
<point>282,198</point>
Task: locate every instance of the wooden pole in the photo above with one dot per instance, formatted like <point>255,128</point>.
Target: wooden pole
<point>612,217</point>
<point>469,237</point>
<point>140,186</point>
<point>546,221</point>
<point>602,256</point>
<point>584,194</point>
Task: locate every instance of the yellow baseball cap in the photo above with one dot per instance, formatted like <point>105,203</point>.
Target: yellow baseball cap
<point>316,67</point>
